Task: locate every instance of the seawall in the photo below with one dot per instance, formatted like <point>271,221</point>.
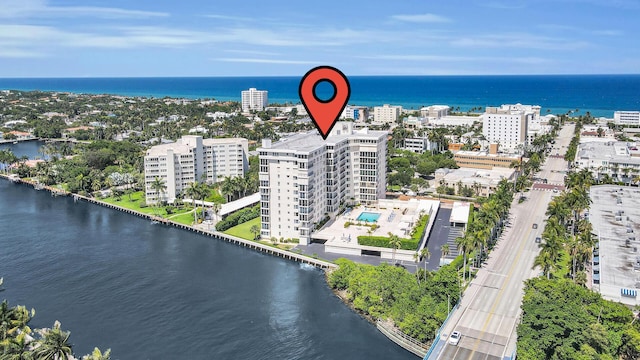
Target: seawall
<point>215,234</point>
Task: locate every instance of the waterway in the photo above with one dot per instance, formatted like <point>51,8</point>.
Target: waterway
<point>154,292</point>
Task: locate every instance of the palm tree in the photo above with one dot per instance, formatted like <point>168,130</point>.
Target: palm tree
<point>255,230</point>
<point>192,191</point>
<point>159,187</point>
<point>395,242</point>
<point>559,210</point>
<point>464,243</point>
<point>444,251</point>
<point>227,187</point>
<point>98,355</point>
<point>545,262</point>
<point>425,254</point>
<point>14,320</point>
<point>54,344</point>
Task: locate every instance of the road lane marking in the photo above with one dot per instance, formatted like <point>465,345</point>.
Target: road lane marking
<point>509,274</point>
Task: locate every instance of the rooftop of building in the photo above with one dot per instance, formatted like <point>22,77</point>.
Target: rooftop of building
<point>471,175</point>
<point>609,150</point>
<point>312,140</point>
<point>615,219</point>
<point>485,153</point>
<point>460,212</point>
<point>163,148</point>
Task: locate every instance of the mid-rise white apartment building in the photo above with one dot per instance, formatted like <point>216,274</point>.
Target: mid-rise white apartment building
<point>386,114</point>
<point>192,159</point>
<point>419,144</point>
<point>508,125</point>
<point>626,117</point>
<point>303,178</point>
<point>254,99</point>
<point>357,113</point>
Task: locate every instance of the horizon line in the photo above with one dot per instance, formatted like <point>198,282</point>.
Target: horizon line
<point>295,76</point>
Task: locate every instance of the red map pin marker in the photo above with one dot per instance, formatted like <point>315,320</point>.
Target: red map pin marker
<point>324,113</point>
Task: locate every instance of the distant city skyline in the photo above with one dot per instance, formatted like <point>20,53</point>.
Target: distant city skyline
<point>43,38</point>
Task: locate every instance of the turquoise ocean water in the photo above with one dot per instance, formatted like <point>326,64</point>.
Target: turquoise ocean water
<point>599,94</point>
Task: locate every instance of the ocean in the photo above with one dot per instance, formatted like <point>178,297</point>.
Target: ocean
<point>601,95</point>
<point>155,292</point>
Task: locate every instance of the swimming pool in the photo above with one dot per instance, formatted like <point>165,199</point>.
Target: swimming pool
<point>368,216</point>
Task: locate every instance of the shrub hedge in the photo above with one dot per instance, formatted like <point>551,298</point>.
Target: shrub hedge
<point>238,217</point>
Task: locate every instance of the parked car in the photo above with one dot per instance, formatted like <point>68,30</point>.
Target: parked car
<point>535,226</point>
<point>538,240</point>
<point>454,338</point>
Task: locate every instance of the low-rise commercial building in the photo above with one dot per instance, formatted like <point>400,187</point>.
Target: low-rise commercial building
<point>618,159</point>
<point>615,218</point>
<point>481,182</point>
<point>485,159</point>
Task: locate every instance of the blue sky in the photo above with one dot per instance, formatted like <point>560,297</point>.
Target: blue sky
<point>47,38</point>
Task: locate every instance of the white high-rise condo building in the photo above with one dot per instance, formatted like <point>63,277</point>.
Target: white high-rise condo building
<point>508,125</point>
<point>626,117</point>
<point>304,179</point>
<point>254,99</point>
<point>192,159</point>
<point>386,114</point>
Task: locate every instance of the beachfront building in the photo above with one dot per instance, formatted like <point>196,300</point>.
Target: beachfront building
<point>434,111</point>
<point>508,124</point>
<point>304,179</point>
<point>192,159</point>
<point>626,118</point>
<point>386,114</point>
<point>254,99</point>
<point>617,159</point>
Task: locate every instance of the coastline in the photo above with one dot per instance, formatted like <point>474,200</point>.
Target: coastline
<point>288,255</point>
<point>387,329</point>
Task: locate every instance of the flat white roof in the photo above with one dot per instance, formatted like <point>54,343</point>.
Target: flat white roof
<point>239,204</point>
<point>460,212</point>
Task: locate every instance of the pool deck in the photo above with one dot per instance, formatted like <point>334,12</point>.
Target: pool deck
<point>396,217</point>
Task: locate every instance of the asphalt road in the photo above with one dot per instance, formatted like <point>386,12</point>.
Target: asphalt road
<point>489,312</point>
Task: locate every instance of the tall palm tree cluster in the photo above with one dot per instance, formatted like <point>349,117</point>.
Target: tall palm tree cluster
<point>566,231</point>
<point>484,226</point>
<point>197,191</point>
<point>7,158</point>
<point>19,342</point>
<point>239,186</point>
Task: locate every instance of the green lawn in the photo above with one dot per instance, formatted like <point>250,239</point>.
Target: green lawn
<point>186,218</point>
<point>243,230</point>
<point>134,204</point>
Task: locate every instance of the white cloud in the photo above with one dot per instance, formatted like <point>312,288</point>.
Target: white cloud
<point>267,61</point>
<point>39,8</point>
<point>422,18</point>
<point>519,40</point>
<point>474,59</point>
<point>227,17</point>
<point>251,52</point>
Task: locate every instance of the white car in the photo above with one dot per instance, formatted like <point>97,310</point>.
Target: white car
<point>454,338</point>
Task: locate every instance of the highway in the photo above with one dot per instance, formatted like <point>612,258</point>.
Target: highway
<point>490,308</point>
